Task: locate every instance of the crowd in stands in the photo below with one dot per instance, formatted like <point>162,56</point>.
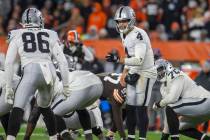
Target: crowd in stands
<point>162,19</point>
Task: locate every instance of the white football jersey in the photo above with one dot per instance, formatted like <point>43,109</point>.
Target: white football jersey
<point>137,44</point>
<point>179,85</point>
<point>81,79</point>
<point>33,45</point>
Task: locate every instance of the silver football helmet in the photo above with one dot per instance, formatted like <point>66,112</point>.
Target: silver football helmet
<point>125,13</point>
<point>32,17</point>
<point>163,69</point>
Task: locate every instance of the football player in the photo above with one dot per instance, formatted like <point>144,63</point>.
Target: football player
<point>85,89</point>
<point>181,97</point>
<point>112,90</point>
<point>71,120</point>
<point>139,72</point>
<point>34,46</point>
<point>115,93</point>
<point>75,51</point>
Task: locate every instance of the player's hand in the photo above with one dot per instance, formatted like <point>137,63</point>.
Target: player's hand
<point>117,96</point>
<point>66,91</point>
<point>156,106</point>
<point>9,96</point>
<point>122,80</point>
<point>110,57</point>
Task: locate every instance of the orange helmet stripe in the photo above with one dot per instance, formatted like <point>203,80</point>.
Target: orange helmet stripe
<point>73,36</point>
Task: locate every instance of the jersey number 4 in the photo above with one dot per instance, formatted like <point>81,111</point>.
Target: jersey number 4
<point>30,44</point>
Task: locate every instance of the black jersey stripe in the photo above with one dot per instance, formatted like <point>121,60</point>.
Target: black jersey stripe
<point>189,104</point>
<point>54,106</point>
<point>146,92</point>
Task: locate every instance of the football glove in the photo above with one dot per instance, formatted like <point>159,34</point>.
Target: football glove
<point>66,91</point>
<point>110,57</point>
<point>9,96</point>
<point>131,79</point>
<point>156,106</point>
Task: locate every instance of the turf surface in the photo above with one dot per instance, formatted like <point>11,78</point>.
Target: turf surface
<point>41,134</point>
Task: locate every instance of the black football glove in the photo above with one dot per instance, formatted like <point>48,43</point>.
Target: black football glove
<point>132,79</point>
<point>112,58</point>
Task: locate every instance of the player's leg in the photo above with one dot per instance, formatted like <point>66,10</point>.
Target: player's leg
<point>78,100</point>
<point>92,93</point>
<point>50,121</point>
<point>85,121</point>
<point>25,89</point>
<point>165,132</point>
<point>143,93</point>
<point>143,121</point>
<point>32,121</point>
<point>192,108</point>
<point>59,106</point>
<point>173,123</point>
<point>193,133</point>
<point>151,112</point>
<point>5,121</point>
<point>4,111</point>
<point>72,122</point>
<point>97,131</point>
<point>95,115</point>
<point>131,111</point>
<point>44,98</point>
<point>188,126</point>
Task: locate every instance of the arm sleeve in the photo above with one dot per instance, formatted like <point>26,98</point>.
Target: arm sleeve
<point>174,92</point>
<point>11,57</point>
<point>140,51</point>
<point>88,54</point>
<point>62,63</point>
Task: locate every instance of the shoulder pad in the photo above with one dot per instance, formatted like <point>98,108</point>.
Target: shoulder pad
<point>12,34</point>
<point>54,36</point>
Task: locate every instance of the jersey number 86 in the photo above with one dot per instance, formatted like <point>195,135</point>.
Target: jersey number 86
<point>30,44</point>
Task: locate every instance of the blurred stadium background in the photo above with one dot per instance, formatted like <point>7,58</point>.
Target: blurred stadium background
<point>179,29</point>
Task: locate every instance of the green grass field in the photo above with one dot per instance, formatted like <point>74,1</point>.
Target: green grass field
<point>40,134</point>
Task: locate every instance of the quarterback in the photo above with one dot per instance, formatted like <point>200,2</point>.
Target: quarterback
<point>139,72</point>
